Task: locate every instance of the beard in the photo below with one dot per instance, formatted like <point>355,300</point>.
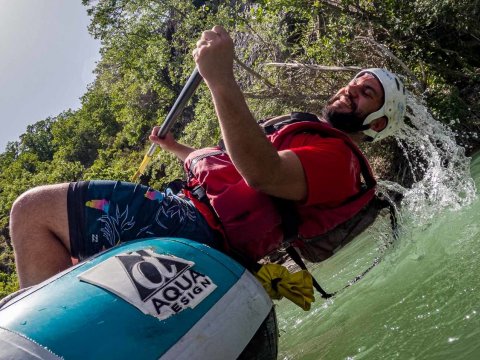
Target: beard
<point>348,122</point>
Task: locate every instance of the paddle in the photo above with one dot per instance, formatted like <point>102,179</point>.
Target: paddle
<point>188,90</point>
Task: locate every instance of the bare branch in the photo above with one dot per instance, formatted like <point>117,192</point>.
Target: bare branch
<point>253,72</point>
<point>296,65</point>
<point>476,38</point>
<point>285,96</point>
<point>385,51</point>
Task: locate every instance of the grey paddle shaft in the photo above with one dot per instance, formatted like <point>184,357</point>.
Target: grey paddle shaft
<point>192,83</point>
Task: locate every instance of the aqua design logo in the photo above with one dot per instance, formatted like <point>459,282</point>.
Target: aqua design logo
<point>158,285</point>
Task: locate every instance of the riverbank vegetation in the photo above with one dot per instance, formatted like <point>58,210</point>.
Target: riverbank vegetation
<point>292,55</point>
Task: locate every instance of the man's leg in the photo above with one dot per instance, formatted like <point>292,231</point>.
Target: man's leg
<point>39,232</point>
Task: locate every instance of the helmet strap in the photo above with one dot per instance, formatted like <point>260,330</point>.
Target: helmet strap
<point>373,116</point>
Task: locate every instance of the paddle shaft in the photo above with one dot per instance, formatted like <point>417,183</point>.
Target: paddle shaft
<point>192,83</point>
<point>188,90</point>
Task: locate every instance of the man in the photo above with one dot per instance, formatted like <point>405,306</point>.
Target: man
<point>319,171</point>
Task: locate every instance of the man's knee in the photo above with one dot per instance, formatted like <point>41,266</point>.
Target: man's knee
<point>22,205</point>
<point>30,202</point>
<point>43,205</point>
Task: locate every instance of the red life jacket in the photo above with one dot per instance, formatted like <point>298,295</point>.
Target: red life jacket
<point>251,220</point>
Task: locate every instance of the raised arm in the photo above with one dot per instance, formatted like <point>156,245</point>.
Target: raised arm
<point>263,168</point>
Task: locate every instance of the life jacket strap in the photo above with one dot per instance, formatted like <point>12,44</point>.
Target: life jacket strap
<point>298,260</point>
<point>292,119</point>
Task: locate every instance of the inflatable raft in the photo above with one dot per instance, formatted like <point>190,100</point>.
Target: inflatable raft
<point>159,298</point>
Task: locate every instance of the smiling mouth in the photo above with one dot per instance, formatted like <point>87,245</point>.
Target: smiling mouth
<point>346,101</point>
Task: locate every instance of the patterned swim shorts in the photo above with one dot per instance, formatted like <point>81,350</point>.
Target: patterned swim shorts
<point>102,214</point>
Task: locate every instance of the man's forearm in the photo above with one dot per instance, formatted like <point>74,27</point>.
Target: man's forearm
<point>253,155</point>
<point>180,151</point>
<point>168,143</point>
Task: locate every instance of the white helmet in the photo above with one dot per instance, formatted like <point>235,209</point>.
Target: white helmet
<point>393,107</point>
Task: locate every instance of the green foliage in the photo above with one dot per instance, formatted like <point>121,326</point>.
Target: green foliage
<point>8,284</point>
<point>146,47</point>
<point>8,277</point>
<point>37,140</point>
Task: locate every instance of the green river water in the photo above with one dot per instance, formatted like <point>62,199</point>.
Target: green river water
<point>423,300</point>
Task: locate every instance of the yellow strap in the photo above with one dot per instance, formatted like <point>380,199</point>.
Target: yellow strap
<point>279,282</point>
<point>141,168</point>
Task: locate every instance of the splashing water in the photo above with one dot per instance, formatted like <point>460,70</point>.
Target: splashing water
<point>421,301</point>
<point>432,152</point>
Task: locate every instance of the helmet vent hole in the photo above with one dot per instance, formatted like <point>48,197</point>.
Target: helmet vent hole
<point>398,84</point>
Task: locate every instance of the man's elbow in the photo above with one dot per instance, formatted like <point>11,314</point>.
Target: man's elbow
<point>255,183</point>
<point>279,186</point>
<point>263,184</point>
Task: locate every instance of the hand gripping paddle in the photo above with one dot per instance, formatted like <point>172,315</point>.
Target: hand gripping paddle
<point>188,90</point>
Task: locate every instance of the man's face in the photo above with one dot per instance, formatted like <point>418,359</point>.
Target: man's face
<point>347,109</point>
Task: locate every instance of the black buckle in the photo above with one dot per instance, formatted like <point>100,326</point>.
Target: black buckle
<point>199,192</point>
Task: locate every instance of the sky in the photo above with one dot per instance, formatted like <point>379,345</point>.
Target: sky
<point>46,61</point>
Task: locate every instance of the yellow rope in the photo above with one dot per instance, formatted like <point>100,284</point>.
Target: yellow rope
<point>278,282</point>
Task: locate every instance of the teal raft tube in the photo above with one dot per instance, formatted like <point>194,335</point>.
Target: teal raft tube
<point>158,298</point>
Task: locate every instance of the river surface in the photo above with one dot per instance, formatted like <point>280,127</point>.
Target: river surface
<point>422,301</point>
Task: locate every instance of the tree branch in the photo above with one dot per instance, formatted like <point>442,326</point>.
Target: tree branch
<point>253,72</point>
<point>285,96</point>
<point>296,65</point>
<point>385,51</point>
